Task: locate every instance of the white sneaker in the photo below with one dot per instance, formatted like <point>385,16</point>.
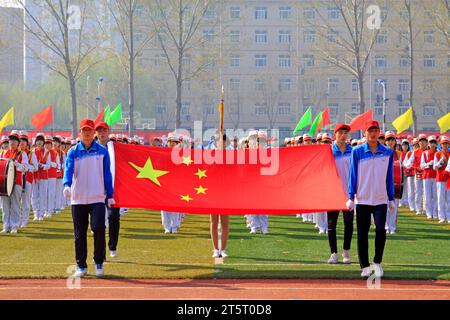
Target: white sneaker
<point>166,231</point>
<point>429,217</point>
<point>253,231</point>
<point>378,270</point>
<point>35,219</point>
<point>316,226</point>
<point>223,254</point>
<point>321,231</point>
<point>418,213</point>
<point>441,221</point>
<point>346,256</point>
<point>174,230</point>
<point>24,225</point>
<point>99,270</point>
<point>113,254</point>
<point>365,273</point>
<point>13,230</point>
<point>216,254</point>
<point>41,219</point>
<point>392,231</point>
<point>80,272</point>
<point>4,231</point>
<point>333,259</point>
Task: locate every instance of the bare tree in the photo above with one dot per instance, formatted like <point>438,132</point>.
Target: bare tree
<point>271,98</point>
<point>68,41</point>
<point>349,50</point>
<point>441,17</point>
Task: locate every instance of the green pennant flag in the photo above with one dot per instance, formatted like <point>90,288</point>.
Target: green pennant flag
<point>107,113</point>
<point>304,121</point>
<point>317,125</point>
<point>115,116</point>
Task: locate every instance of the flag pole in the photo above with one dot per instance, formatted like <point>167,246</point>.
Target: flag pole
<point>221,107</point>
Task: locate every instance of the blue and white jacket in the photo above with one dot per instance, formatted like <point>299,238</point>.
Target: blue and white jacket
<point>371,177</point>
<point>88,174</point>
<point>342,162</point>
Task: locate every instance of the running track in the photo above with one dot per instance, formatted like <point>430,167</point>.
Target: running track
<point>191,289</point>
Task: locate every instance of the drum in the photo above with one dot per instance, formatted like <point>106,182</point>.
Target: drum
<point>7,177</point>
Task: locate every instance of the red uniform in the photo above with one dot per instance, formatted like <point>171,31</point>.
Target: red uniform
<point>52,172</point>
<point>428,156</point>
<point>440,175</point>
<point>416,163</point>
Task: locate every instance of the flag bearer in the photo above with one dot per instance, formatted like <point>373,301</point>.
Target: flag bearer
<point>443,196</point>
<point>429,179</point>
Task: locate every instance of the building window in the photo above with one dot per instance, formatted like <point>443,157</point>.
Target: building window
<point>382,37</point>
<point>428,36</point>
<point>284,37</point>
<point>208,84</point>
<point>259,84</point>
<point>403,85</point>
<point>355,108</point>
<point>429,61</point>
<point>261,60</point>
<point>308,60</point>
<point>308,88</point>
<point>284,109</point>
<point>235,61</point>
<point>186,85</point>
<point>260,109</point>
<point>309,36</point>
<point>333,108</point>
<point>380,61</point>
<point>404,14</point>
<point>185,108</point>
<point>235,36</point>
<point>309,13</point>
<point>161,108</point>
<point>235,12</point>
<point>429,110</point>
<point>404,61</point>
<point>403,37</point>
<point>355,85</point>
<point>260,36</point>
<point>284,61</point>
<point>208,35</point>
<point>333,13</point>
<point>284,85</point>
<point>210,13</point>
<point>333,85</point>
<point>261,13</point>
<point>332,35</point>
<point>285,13</point>
<point>235,84</point>
<point>427,84</point>
<point>378,109</point>
<point>186,61</point>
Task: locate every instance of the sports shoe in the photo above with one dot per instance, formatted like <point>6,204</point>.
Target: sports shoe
<point>378,270</point>
<point>429,217</point>
<point>441,221</point>
<point>216,254</point>
<point>333,259</point>
<point>392,231</point>
<point>41,219</point>
<point>113,254</point>
<point>23,225</point>
<point>365,273</point>
<point>346,256</point>
<point>166,231</point>
<point>174,230</point>
<point>13,230</point>
<point>99,270</point>
<point>4,231</point>
<point>35,219</point>
<point>80,272</point>
<point>253,231</point>
<point>321,231</point>
<point>223,254</point>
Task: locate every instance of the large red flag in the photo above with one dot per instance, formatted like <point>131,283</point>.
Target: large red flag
<point>287,181</point>
<point>325,117</point>
<point>43,118</point>
<point>100,117</point>
<point>359,122</point>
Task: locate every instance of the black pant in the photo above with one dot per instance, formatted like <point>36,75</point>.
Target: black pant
<point>348,229</point>
<point>363,222</point>
<point>114,227</point>
<point>80,216</point>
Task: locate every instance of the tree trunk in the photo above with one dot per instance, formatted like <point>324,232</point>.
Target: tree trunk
<point>178,102</point>
<point>131,76</point>
<point>73,95</point>
<point>362,104</point>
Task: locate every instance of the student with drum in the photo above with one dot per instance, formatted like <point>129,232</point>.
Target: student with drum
<point>10,159</point>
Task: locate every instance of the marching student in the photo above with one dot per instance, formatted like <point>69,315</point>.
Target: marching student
<point>443,196</point>
<point>307,140</point>
<point>371,189</point>
<point>321,217</point>
<point>52,174</point>
<point>410,175</point>
<point>382,138</point>
<point>11,204</point>
<point>429,179</point>
<point>39,193</point>
<point>342,155</point>
<point>391,221</point>
<point>31,168</point>
<point>58,147</point>
<point>88,182</point>
<point>404,151</point>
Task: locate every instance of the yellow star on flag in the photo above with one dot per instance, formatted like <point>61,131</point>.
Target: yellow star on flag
<point>186,198</point>
<point>148,172</point>
<point>201,190</point>
<point>201,174</point>
<point>187,160</point>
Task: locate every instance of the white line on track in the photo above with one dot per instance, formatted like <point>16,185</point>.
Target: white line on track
<point>215,288</point>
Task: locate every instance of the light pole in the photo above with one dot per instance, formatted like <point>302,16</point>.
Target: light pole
<point>383,85</point>
<point>100,81</point>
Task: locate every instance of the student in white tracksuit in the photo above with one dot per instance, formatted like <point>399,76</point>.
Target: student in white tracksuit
<point>429,179</point>
<point>441,165</point>
<point>405,149</point>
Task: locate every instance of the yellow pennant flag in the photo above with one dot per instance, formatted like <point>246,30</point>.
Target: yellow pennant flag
<point>8,119</point>
<point>403,121</point>
<point>444,123</point>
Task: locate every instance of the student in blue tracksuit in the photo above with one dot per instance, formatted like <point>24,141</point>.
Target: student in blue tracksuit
<point>88,182</point>
<point>371,189</point>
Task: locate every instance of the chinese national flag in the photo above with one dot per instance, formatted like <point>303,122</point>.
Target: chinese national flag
<point>359,122</point>
<point>43,118</point>
<point>278,181</point>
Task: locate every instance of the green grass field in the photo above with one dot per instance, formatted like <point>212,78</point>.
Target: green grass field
<point>292,249</point>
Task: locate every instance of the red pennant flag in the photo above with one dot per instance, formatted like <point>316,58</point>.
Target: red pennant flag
<point>359,122</point>
<point>326,117</point>
<point>100,117</point>
<point>43,118</point>
<point>287,181</point>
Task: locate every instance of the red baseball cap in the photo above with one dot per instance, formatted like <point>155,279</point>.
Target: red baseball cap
<point>101,125</point>
<point>341,126</point>
<point>372,124</point>
<point>87,123</point>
